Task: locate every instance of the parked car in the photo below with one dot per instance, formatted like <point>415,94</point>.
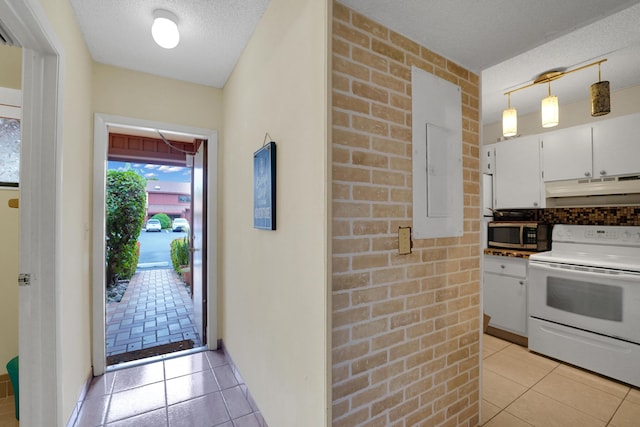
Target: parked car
<point>180,224</point>
<point>153,225</point>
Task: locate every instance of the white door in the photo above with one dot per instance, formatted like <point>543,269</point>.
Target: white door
<point>517,177</point>
<point>198,240</point>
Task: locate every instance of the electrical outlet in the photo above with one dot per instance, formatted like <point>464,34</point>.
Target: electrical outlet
<point>404,240</point>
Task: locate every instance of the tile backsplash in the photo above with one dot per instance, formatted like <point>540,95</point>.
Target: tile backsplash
<point>621,215</point>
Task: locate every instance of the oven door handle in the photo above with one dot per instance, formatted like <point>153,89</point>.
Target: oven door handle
<point>597,271</point>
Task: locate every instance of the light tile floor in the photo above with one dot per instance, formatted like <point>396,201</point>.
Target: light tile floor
<point>200,389</point>
<point>523,389</point>
<point>156,309</point>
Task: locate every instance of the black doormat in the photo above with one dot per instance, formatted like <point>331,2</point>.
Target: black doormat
<point>149,352</point>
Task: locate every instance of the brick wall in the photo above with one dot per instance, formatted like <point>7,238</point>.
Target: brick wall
<point>405,327</point>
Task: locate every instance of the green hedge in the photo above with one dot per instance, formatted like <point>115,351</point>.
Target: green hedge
<point>164,219</point>
<point>179,253</point>
<point>125,204</point>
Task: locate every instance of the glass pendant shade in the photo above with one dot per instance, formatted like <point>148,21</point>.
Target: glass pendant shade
<point>600,99</point>
<point>509,122</point>
<point>165,30</point>
<point>550,111</point>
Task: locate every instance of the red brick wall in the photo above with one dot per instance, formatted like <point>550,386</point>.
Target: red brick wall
<point>405,327</point>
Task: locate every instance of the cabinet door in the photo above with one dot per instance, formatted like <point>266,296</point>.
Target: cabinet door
<point>566,154</point>
<point>505,300</point>
<point>517,177</point>
<point>616,146</point>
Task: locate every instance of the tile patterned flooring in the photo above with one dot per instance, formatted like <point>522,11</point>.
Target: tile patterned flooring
<point>519,389</point>
<point>199,389</point>
<point>523,389</point>
<point>156,309</point>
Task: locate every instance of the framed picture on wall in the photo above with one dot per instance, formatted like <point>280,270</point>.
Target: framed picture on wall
<point>10,138</point>
<point>264,187</point>
<point>9,152</point>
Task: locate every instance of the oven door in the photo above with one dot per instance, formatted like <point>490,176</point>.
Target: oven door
<point>593,299</point>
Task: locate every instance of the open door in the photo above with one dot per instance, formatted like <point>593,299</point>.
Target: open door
<point>198,238</point>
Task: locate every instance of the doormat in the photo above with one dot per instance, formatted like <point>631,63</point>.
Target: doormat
<point>149,352</point>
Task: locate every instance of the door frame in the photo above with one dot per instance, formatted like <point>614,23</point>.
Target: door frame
<point>101,141</point>
<point>40,211</point>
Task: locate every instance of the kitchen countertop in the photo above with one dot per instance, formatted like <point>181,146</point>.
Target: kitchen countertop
<point>509,252</point>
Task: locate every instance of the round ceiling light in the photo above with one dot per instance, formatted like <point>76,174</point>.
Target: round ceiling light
<point>165,29</point>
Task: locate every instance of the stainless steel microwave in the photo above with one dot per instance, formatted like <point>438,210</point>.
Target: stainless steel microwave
<point>524,235</point>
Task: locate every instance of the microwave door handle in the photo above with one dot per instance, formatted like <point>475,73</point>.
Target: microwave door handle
<point>522,235</point>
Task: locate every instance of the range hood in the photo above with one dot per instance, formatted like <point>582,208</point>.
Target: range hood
<point>606,191</point>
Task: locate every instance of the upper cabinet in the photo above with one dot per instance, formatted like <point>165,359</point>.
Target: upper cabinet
<point>566,154</point>
<point>517,177</point>
<point>616,146</point>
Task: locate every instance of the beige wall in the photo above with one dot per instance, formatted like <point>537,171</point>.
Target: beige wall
<point>405,327</point>
<point>9,263</point>
<point>11,77</point>
<point>74,310</point>
<point>623,101</point>
<point>274,283</point>
<point>11,69</point>
<point>128,93</point>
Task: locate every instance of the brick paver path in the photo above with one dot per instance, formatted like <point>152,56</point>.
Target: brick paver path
<point>156,309</point>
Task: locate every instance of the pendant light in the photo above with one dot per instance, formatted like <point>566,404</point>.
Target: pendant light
<point>509,119</point>
<point>550,109</point>
<point>600,97</point>
<point>165,29</point>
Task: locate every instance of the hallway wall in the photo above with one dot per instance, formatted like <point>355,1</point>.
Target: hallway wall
<point>73,303</point>
<point>122,92</point>
<point>405,327</point>
<point>10,77</point>
<point>274,283</point>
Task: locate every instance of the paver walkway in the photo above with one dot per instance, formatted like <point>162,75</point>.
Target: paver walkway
<point>156,309</point>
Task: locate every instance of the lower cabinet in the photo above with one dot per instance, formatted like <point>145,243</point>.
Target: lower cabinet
<point>505,293</point>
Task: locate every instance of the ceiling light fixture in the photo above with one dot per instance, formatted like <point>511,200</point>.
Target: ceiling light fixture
<point>600,102</point>
<point>549,109</point>
<point>165,29</point>
<point>600,98</point>
<point>509,119</point>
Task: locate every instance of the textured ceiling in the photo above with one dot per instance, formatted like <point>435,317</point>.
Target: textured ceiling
<point>213,34</point>
<point>510,42</point>
<point>507,42</point>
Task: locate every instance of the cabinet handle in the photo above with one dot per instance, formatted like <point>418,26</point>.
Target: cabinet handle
<point>502,266</point>
<point>587,174</point>
<point>535,204</point>
<point>521,282</point>
<point>603,172</point>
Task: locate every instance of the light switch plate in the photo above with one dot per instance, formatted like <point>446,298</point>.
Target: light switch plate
<point>404,240</point>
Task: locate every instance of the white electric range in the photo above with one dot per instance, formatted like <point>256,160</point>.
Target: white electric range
<point>584,299</point>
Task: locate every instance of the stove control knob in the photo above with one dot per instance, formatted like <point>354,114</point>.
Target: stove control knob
<point>637,237</point>
<point>625,236</point>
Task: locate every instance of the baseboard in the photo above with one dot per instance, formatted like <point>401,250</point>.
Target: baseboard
<point>508,336</point>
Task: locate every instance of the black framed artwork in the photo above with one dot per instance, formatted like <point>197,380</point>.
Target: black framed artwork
<point>9,152</point>
<point>264,187</point>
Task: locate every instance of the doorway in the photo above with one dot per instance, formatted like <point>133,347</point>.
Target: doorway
<point>202,220</point>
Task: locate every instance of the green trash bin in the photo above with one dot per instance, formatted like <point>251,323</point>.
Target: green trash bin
<point>12,369</point>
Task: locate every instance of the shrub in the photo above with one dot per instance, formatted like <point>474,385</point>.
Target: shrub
<point>179,253</point>
<point>125,205</point>
<point>164,219</point>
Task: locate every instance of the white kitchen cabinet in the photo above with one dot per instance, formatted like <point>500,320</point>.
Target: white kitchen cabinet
<point>505,293</point>
<point>566,154</point>
<point>518,178</point>
<point>616,146</point>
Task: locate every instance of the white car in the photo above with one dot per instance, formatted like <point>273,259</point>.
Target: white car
<point>153,225</point>
<point>180,224</point>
